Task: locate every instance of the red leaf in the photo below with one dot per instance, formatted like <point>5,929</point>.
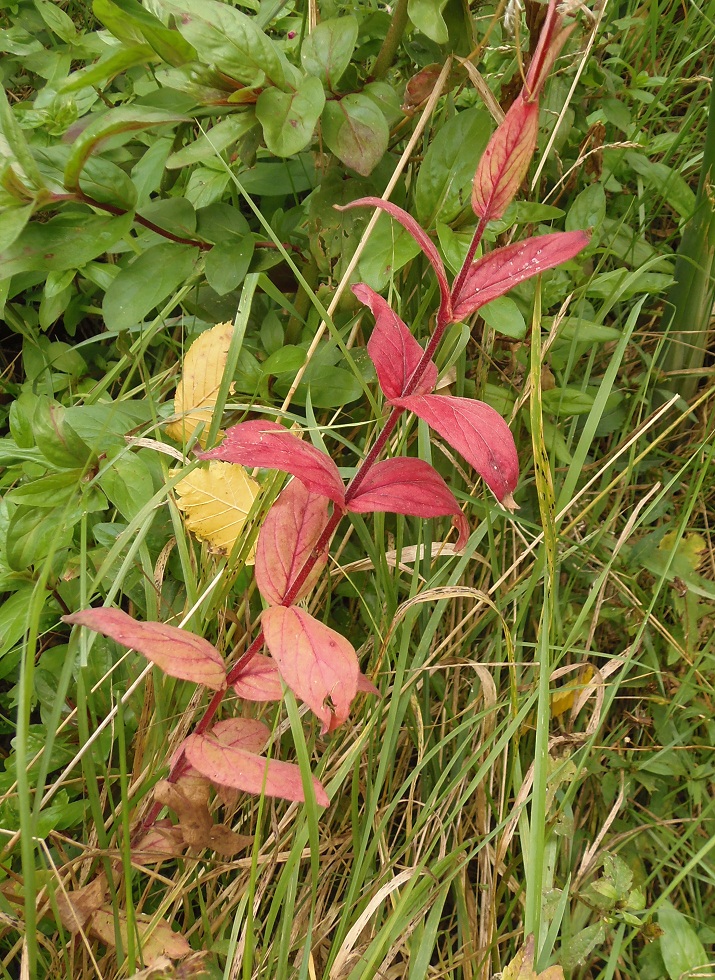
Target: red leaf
<point>407,486</point>
<point>242,733</point>
<point>477,432</point>
<point>317,663</point>
<point>287,538</point>
<point>392,348</point>
<point>178,652</point>
<point>268,444</point>
<point>365,686</point>
<point>260,680</point>
<point>499,271</point>
<point>551,40</point>
<point>417,232</point>
<point>504,163</point>
<point>229,766</point>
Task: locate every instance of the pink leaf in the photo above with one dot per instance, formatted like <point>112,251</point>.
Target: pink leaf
<point>287,538</point>
<point>365,686</point>
<point>417,232</point>
<point>551,40</point>
<point>504,163</point>
<point>234,767</point>
<point>499,271</point>
<point>242,733</point>
<point>178,652</point>
<point>392,348</point>
<point>260,680</point>
<point>406,486</point>
<point>267,444</point>
<point>317,663</point>
<point>477,432</point>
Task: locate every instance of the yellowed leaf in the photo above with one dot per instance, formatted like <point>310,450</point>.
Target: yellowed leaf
<point>563,699</point>
<point>197,390</point>
<point>689,549</point>
<point>215,503</point>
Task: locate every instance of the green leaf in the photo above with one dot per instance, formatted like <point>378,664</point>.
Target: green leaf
<point>288,119</point>
<point>668,182</point>
<point>444,182</point>
<point>121,120</point>
<point>30,540</point>
<point>388,249</point>
<point>127,482</point>
<point>286,360</point>
<point>331,387</point>
<point>14,614</point>
<point>567,401</point>
<point>12,222</point>
<point>225,37</point>
<point>17,144</point>
<point>106,68</point>
<point>227,264</point>
<point>680,947</point>
<point>326,52</point>
<point>426,15</point>
<point>580,945</point>
<point>122,16</point>
<point>588,209</point>
<point>57,20</point>
<point>356,131</point>
<point>147,282</point>
<point>504,316</point>
<point>68,241</point>
<point>213,142</point>
<point>56,438</point>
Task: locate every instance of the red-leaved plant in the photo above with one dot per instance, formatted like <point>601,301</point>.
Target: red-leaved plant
<point>318,664</point>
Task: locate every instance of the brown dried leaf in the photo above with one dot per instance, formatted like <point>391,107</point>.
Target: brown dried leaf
<point>75,907</point>
<point>196,392</point>
<point>228,843</point>
<point>157,939</point>
<point>189,799</point>
<point>216,502</point>
<point>163,969</point>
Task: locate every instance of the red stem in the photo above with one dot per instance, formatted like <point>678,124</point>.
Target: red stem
<point>459,281</point>
<point>113,209</point>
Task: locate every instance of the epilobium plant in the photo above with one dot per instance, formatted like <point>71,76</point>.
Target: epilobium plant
<point>318,664</point>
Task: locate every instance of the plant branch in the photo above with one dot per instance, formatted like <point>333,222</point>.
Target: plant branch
<point>392,40</point>
<point>83,198</point>
<point>473,246</point>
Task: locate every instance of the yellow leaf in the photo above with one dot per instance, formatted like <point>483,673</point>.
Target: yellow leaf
<point>215,502</point>
<point>197,390</point>
<point>563,699</point>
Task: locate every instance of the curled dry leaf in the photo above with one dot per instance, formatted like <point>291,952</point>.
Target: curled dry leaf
<point>215,503</point>
<point>392,348</point>
<point>178,652</point>
<point>317,664</point>
<point>260,680</point>
<point>162,968</point>
<point>286,540</point>
<point>229,766</point>
<point>408,486</point>
<point>267,444</point>
<point>476,431</point>
<point>196,392</point>
<point>189,799</point>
